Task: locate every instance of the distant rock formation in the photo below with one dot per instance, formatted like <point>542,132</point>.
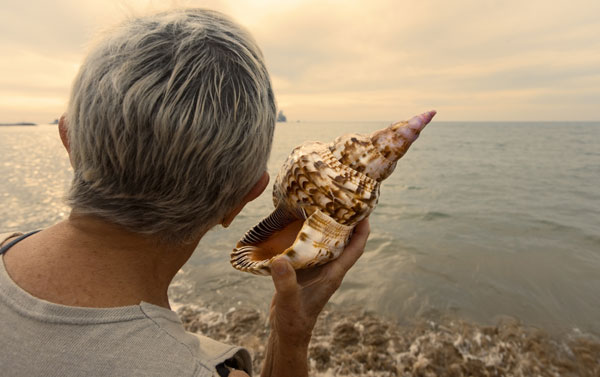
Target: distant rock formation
<point>18,124</point>
<point>281,117</point>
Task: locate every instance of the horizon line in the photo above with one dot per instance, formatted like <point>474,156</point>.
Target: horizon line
<point>446,121</point>
<point>27,123</point>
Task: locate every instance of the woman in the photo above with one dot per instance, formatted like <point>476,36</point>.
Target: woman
<point>168,129</point>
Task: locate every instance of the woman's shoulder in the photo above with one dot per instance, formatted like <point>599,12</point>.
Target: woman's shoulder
<point>204,350</point>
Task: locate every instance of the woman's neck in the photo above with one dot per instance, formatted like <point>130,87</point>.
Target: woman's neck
<point>86,261</point>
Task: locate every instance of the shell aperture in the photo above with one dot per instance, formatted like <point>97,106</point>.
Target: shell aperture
<point>321,192</point>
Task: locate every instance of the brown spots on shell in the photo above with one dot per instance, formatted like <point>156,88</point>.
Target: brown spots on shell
<point>373,158</point>
<point>354,218</point>
<point>341,180</point>
<point>340,215</point>
<point>296,171</point>
<point>386,152</point>
<point>314,180</point>
<point>360,189</point>
<point>302,180</point>
<point>319,246</point>
<point>330,208</point>
<point>338,184</point>
<point>349,148</point>
<point>319,165</point>
<point>348,219</point>
<point>393,142</point>
<point>355,152</point>
<point>336,194</point>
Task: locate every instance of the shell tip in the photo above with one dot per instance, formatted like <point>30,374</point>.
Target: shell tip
<point>418,122</point>
<point>428,115</point>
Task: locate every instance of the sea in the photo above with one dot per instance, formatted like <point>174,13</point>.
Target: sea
<point>480,221</point>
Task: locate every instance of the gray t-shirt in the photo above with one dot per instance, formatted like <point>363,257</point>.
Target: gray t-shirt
<point>40,338</point>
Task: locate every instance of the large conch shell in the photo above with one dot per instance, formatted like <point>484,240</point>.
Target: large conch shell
<point>322,191</point>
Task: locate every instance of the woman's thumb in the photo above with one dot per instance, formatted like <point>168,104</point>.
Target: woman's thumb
<point>284,279</point>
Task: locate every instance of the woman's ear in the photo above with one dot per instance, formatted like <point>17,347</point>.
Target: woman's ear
<point>254,193</point>
<point>63,131</point>
<point>258,188</point>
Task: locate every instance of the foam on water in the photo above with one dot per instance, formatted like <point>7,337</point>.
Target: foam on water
<point>358,343</point>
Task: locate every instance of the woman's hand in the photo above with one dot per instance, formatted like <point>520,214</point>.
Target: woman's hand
<point>299,298</point>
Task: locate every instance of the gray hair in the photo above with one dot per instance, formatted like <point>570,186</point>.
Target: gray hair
<point>171,121</point>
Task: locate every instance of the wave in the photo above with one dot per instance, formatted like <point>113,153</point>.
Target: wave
<point>554,225</point>
<point>434,215</point>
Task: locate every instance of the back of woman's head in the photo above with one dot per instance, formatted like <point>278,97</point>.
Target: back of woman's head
<point>170,121</point>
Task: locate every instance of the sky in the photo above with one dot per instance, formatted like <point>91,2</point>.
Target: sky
<point>347,60</point>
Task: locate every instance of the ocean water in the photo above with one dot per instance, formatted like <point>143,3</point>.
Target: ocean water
<point>479,221</point>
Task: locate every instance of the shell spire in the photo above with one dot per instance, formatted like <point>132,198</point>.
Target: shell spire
<point>375,155</point>
<point>393,142</point>
<point>321,192</point>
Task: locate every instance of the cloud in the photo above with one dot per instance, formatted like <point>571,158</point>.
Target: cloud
<point>357,60</point>
<point>329,54</point>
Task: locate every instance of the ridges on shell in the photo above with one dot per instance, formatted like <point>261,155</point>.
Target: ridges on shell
<point>320,194</point>
<point>318,199</point>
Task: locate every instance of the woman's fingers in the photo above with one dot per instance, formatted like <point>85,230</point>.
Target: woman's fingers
<point>354,249</point>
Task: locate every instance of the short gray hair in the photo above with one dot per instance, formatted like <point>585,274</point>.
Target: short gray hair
<point>171,121</point>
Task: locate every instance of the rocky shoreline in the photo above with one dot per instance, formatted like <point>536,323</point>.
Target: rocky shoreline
<point>358,343</point>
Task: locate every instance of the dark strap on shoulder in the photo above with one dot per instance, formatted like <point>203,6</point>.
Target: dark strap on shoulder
<point>12,243</point>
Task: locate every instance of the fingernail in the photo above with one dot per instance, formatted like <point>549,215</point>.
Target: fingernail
<point>280,267</point>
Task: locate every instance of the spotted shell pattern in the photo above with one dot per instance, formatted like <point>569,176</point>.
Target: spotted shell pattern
<point>330,188</point>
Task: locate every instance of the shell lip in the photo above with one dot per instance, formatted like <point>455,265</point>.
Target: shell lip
<point>320,240</point>
<point>325,225</point>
